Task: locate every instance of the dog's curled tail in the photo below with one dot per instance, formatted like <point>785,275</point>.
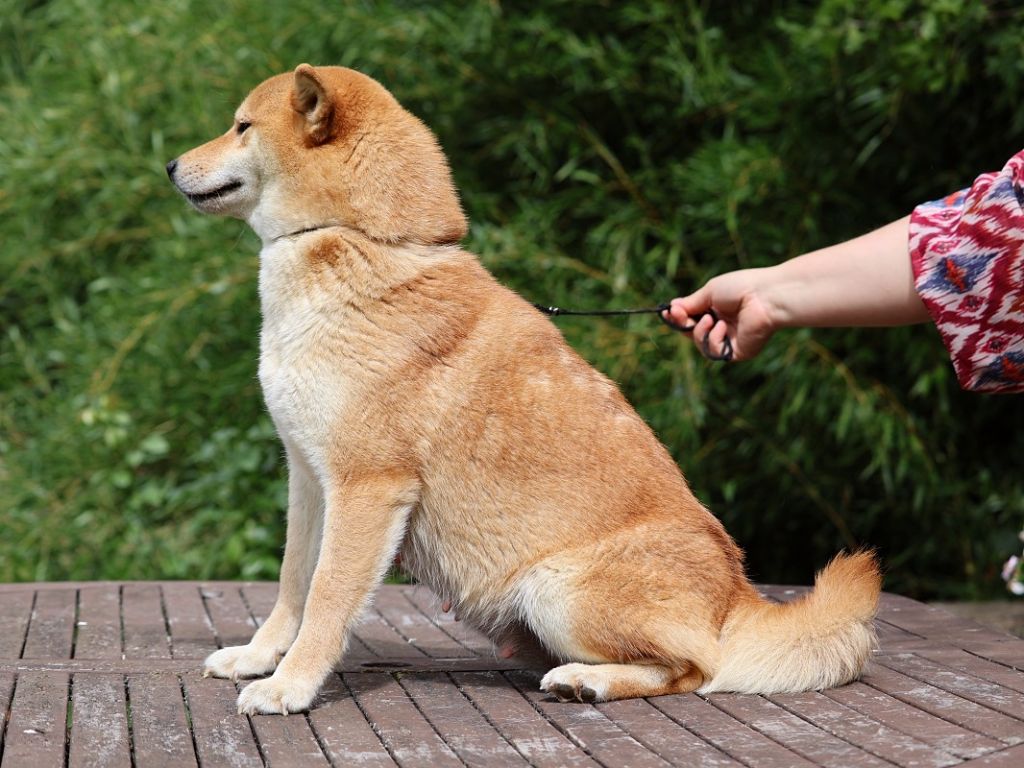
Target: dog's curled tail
<point>820,640</point>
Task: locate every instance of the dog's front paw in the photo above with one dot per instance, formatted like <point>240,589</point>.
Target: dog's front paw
<point>575,682</point>
<point>275,696</point>
<point>241,661</point>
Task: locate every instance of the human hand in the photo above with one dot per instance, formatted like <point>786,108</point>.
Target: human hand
<point>744,314</point>
<point>866,281</point>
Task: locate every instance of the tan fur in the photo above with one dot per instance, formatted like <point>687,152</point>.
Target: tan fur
<point>426,408</point>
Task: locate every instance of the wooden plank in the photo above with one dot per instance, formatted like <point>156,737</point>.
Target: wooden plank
<point>886,631</point>
<point>528,731</point>
<point>736,739</point>
<point>288,742</point>
<point>231,619</point>
<point>407,736</point>
<point>184,666</point>
<point>1011,758</point>
<point>664,736</point>
<point>35,730</point>
<point>52,627</point>
<point>160,730</point>
<point>891,637</point>
<point>913,616</point>
<point>430,606</point>
<point>145,631</point>
<point>462,727</point>
<point>1007,654</point>
<point>98,629</point>
<point>261,599</point>
<point>343,732</point>
<point>6,693</point>
<point>587,726</point>
<point>416,628</point>
<point>99,723</point>
<point>524,727</point>
<point>1007,758</point>
<point>383,641</point>
<point>936,623</point>
<point>977,667</point>
<point>907,718</point>
<point>357,652</point>
<point>222,736</point>
<point>192,634</point>
<point>797,734</point>
<point>38,586</point>
<point>856,728</point>
<point>968,686</point>
<point>945,705</point>
<point>15,613</point>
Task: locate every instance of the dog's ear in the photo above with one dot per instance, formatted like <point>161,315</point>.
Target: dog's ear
<point>310,99</point>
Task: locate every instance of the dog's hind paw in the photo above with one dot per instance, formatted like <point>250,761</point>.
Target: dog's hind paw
<point>574,682</point>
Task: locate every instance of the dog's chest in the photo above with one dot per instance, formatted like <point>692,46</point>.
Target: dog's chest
<point>304,388</point>
<point>304,395</point>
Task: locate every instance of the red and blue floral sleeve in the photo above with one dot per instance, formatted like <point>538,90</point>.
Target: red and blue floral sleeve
<point>967,251</point>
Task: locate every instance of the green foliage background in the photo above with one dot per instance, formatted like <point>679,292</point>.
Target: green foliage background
<point>609,154</point>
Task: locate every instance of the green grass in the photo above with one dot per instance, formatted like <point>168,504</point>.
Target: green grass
<point>615,157</point>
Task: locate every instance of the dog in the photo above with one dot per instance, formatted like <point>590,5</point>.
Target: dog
<point>428,412</point>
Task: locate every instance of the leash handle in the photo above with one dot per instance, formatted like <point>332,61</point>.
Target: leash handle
<point>727,349</point>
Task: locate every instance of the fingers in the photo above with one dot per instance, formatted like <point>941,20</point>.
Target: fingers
<point>682,309</point>
<point>710,334</point>
<point>703,328</point>
<point>676,316</point>
<point>713,344</point>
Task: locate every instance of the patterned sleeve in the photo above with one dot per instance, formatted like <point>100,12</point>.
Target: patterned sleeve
<point>967,251</point>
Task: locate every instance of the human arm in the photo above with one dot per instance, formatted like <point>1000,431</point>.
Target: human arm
<point>867,281</point>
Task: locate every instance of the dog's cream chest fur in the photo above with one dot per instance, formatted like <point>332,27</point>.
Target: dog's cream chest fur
<point>304,397</point>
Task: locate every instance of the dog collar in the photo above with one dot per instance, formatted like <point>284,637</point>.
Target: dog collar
<point>303,231</point>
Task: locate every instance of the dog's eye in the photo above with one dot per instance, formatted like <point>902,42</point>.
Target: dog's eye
<point>243,127</point>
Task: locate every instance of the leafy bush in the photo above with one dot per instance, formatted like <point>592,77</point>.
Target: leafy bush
<point>609,157</point>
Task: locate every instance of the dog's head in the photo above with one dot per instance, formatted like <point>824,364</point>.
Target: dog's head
<point>325,146</point>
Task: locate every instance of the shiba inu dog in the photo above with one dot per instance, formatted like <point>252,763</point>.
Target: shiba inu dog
<point>426,410</point>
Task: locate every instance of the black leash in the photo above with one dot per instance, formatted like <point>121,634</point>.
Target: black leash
<point>725,357</point>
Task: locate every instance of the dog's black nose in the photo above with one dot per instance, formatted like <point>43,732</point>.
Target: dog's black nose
<point>170,168</point>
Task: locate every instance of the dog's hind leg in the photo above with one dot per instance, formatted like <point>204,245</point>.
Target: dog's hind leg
<point>606,682</point>
<point>627,612</point>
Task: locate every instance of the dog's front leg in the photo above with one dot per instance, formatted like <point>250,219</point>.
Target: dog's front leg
<point>302,545</point>
<point>364,520</point>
